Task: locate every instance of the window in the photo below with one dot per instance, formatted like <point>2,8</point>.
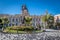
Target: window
<point>16,20</point>
<point>9,24</point>
<point>13,19</point>
<point>39,19</point>
<point>19,19</point>
<point>9,19</point>
<point>59,20</point>
<point>12,24</point>
<point>16,24</point>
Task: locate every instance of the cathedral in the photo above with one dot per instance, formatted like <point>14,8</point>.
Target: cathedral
<point>17,20</point>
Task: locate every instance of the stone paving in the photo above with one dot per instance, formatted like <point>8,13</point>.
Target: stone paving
<point>33,36</point>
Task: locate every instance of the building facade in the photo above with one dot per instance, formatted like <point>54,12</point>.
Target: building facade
<point>17,20</point>
<point>57,18</point>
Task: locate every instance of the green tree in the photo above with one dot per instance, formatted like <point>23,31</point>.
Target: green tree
<point>43,18</point>
<point>50,22</point>
<point>47,19</point>
<point>27,20</point>
<point>3,22</point>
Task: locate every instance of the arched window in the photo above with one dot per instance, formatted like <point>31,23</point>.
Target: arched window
<point>13,19</point>
<point>16,19</point>
<point>10,24</point>
<point>16,24</point>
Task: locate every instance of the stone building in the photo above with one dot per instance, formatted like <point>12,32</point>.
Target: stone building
<point>57,18</point>
<point>17,20</point>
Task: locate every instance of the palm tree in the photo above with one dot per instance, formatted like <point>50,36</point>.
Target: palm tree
<point>27,20</point>
<point>3,22</point>
<point>6,20</point>
<point>45,19</point>
<point>50,21</point>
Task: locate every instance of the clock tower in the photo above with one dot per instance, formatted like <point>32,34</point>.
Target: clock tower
<point>24,10</point>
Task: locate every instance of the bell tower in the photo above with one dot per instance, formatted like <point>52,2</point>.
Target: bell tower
<point>24,10</point>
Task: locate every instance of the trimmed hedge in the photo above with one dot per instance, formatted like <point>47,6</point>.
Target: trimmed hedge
<point>22,28</point>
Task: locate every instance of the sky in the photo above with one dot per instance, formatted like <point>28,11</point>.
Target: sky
<point>35,7</point>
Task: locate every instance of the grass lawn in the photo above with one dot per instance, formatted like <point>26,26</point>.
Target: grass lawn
<point>21,32</point>
<point>37,31</point>
<point>14,31</point>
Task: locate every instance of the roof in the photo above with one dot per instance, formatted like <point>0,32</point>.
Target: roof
<point>57,15</point>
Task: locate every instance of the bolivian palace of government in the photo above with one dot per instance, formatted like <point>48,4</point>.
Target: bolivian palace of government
<point>18,20</point>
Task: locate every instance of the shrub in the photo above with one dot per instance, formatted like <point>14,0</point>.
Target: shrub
<point>22,28</point>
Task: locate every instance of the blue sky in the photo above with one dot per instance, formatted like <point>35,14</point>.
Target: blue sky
<point>35,7</point>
